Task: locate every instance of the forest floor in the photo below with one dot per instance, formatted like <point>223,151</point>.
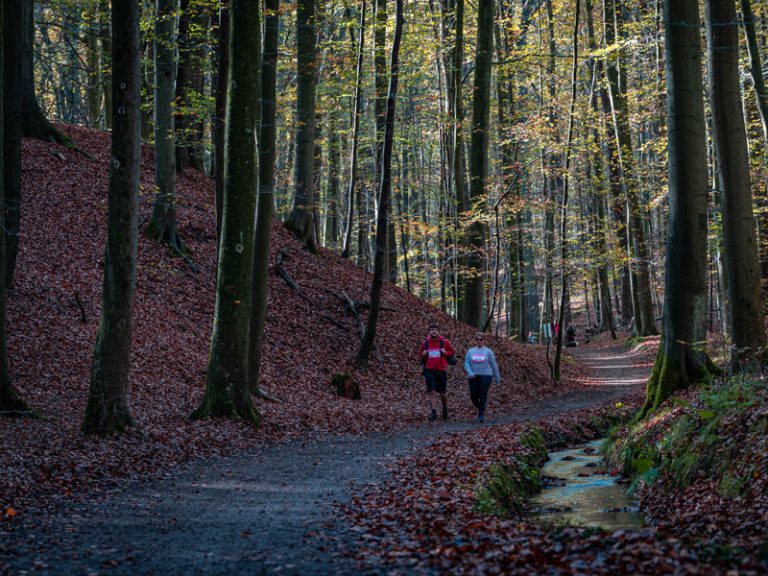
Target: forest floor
<point>275,511</point>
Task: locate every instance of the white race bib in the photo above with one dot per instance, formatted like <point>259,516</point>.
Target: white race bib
<point>478,357</point>
<point>434,353</point>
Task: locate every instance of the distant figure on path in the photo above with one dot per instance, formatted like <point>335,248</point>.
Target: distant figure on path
<point>480,365</point>
<point>435,354</point>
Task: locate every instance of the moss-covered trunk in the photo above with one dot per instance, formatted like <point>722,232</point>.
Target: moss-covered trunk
<point>682,359</point>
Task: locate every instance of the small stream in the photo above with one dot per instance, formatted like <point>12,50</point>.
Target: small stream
<point>580,491</point>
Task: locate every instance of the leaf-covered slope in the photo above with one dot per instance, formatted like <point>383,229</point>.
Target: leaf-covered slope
<point>309,336</point>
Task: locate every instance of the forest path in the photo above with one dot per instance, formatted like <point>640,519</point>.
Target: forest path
<point>270,512</point>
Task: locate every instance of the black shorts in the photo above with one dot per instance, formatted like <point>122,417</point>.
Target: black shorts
<point>436,380</point>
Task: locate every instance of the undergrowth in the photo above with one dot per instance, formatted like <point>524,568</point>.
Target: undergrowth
<point>696,439</point>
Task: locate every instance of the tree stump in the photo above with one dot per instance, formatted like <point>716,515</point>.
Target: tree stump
<point>345,386</point>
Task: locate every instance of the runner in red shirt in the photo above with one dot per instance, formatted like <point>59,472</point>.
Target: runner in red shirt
<point>434,353</point>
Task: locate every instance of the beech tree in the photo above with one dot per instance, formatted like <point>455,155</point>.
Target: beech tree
<point>107,410</point>
<point>227,387</point>
<point>352,190</point>
<point>12,115</point>
<point>739,234</point>
<point>163,226</point>
<point>682,359</point>
<point>478,163</point>
<point>267,147</point>
<point>11,403</point>
<point>301,220</point>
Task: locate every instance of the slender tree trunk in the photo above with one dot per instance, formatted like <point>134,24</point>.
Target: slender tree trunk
<point>740,240</point>
<point>222,82</point>
<point>267,149</point>
<point>478,165</point>
<point>598,196</point>
<point>682,359</point>
<point>351,188</point>
<point>93,62</point>
<point>366,345</point>
<point>105,38</point>
<point>227,387</point>
<point>189,84</point>
<point>616,76</point>
<point>163,226</point>
<point>564,205</point>
<point>301,221</point>
<point>332,203</point>
<point>107,409</point>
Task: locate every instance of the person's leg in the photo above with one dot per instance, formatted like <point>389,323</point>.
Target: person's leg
<point>429,378</point>
<point>442,388</point>
<point>484,382</point>
<point>474,395</point>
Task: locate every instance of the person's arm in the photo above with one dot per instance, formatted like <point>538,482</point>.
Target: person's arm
<point>448,348</point>
<point>494,366</point>
<point>468,365</point>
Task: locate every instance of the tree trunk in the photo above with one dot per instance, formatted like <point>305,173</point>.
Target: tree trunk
<point>564,297</point>
<point>755,65</point>
<point>331,232</point>
<point>105,38</point>
<point>12,116</point>
<point>598,196</point>
<point>189,86</point>
<point>761,97</point>
<point>267,149</point>
<point>227,388</point>
<point>301,221</point>
<point>351,188</point>
<point>11,403</point>
<point>163,226</point>
<point>93,62</point>
<point>644,317</point>
<point>35,124</point>
<point>222,81</point>
<point>682,359</point>
<point>366,345</point>
<point>107,410</point>
<point>478,165</point>
<point>740,240</point>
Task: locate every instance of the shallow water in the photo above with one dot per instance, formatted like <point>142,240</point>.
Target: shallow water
<point>580,491</point>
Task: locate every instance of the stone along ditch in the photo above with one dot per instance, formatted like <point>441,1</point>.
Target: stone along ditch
<point>579,490</point>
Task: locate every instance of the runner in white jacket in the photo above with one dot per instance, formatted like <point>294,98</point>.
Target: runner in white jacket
<point>480,365</point>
